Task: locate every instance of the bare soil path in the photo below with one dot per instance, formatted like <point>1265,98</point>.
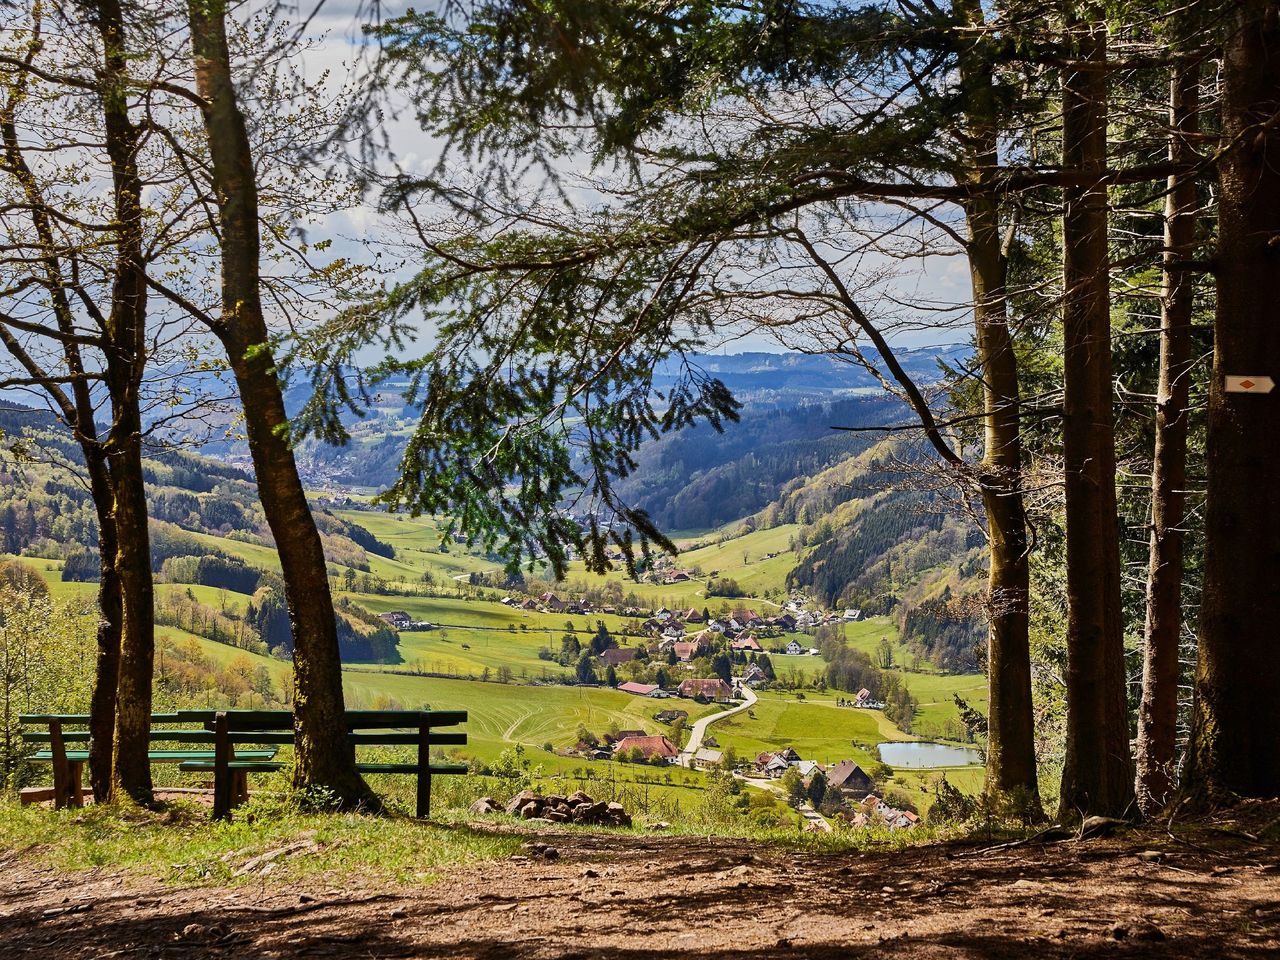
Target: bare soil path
<point>635,898</point>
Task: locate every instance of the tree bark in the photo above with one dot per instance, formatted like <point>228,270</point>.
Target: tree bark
<point>325,756</point>
<point>1158,712</point>
<point>126,358</point>
<point>1097,776</point>
<point>1235,745</point>
<point>102,703</point>
<point>1011,760</point>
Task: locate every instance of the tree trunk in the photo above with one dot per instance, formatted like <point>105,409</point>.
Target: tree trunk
<point>325,756</point>
<point>1235,746</point>
<point>125,362</point>
<point>1097,776</point>
<point>1011,759</point>
<point>102,705</point>
<point>1158,712</point>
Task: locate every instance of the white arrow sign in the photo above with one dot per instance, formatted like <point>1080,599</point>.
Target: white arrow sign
<point>1249,385</point>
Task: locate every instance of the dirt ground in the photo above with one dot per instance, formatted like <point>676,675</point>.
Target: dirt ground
<point>634,897</point>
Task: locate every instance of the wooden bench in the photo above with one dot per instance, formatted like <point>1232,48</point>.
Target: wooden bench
<point>68,764</point>
<point>231,766</point>
<point>237,743</point>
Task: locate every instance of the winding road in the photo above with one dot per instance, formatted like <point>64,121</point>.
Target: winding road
<point>699,728</point>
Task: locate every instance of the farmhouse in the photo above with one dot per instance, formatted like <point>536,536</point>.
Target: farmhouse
<point>552,602</point>
<point>397,618</point>
<point>650,747</point>
<point>691,616</point>
<point>616,656</point>
<point>670,716</point>
<point>753,676</point>
<point>639,689</point>
<point>707,758</point>
<point>712,689</point>
<point>746,643</point>
<point>794,649</point>
<point>847,777</point>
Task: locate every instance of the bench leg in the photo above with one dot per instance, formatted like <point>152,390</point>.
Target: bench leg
<point>76,778</point>
<point>240,787</point>
<point>424,769</point>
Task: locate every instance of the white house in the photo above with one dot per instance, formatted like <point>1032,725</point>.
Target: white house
<point>794,649</point>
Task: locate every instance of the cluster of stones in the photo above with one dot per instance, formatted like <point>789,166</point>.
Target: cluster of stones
<point>578,807</point>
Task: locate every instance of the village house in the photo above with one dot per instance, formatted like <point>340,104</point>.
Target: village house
<point>746,643</point>
<point>785,622</point>
<point>649,747</point>
<point>552,602</point>
<point>713,689</point>
<point>639,689</point>
<point>397,619</point>
<point>671,716</point>
<point>691,615</point>
<point>717,626</point>
<point>706,757</point>
<point>852,616</point>
<point>617,656</point>
<point>753,676</point>
<point>850,779</point>
<point>794,649</point>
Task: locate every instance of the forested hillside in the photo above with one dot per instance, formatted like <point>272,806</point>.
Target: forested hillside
<point>700,478</point>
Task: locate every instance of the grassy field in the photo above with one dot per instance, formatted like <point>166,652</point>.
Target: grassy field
<point>476,635</point>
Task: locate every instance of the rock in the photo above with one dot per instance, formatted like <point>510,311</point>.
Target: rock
<point>484,805</point>
<point>399,913</point>
<point>530,810</point>
<point>590,873</point>
<point>1143,930</point>
<point>1151,856</point>
<point>557,816</point>
<point>1101,827</point>
<point>551,853</point>
<point>579,797</point>
<point>555,800</point>
<point>517,802</point>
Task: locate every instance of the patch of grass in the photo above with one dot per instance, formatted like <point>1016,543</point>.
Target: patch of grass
<point>182,845</point>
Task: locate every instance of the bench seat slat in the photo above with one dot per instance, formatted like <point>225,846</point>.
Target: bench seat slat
<point>436,768</point>
<point>162,756</point>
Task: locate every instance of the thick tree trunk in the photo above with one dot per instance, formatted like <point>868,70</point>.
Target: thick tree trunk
<point>126,361</point>
<point>1235,746</point>
<point>1158,712</point>
<point>1011,758</point>
<point>131,769</point>
<point>1097,776</point>
<point>102,705</point>
<point>325,756</point>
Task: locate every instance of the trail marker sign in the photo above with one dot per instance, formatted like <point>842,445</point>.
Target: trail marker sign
<point>1249,384</point>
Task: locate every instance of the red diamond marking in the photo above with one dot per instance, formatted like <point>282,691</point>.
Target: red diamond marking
<point>1247,384</point>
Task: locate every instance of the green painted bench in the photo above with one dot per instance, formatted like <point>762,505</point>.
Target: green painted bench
<point>68,764</point>
<point>237,743</point>
<point>364,728</point>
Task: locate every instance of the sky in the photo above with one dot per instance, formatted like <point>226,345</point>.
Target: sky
<point>335,31</point>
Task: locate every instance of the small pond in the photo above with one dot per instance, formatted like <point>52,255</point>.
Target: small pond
<point>921,753</point>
